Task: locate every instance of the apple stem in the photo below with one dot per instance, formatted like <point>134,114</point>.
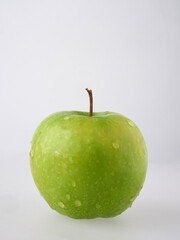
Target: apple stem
<point>91,102</point>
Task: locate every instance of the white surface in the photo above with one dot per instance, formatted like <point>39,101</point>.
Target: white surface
<point>128,53</point>
<point>25,215</point>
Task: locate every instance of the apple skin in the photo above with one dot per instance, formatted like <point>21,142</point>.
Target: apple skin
<point>88,167</point>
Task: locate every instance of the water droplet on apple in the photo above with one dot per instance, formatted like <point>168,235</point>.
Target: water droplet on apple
<point>56,153</point>
<point>66,118</point>
<point>61,204</point>
<point>98,206</point>
<point>77,203</point>
<point>73,183</point>
<point>31,154</point>
<point>131,123</point>
<point>68,196</point>
<point>132,199</point>
<point>115,145</point>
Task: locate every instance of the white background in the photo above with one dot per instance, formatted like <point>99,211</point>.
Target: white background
<point>128,53</point>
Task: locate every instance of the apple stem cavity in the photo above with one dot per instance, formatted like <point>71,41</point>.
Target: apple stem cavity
<point>91,102</point>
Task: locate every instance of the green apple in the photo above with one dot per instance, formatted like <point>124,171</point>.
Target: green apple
<point>88,166</point>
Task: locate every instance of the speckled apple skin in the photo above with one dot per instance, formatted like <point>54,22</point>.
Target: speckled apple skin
<point>88,167</point>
